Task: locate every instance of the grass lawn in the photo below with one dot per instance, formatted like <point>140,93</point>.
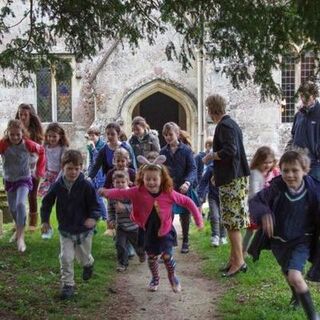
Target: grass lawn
<point>29,282</point>
<point>261,293</point>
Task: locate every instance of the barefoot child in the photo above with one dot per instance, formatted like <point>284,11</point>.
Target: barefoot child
<point>77,212</point>
<point>152,201</point>
<point>288,211</point>
<point>16,151</point>
<point>119,218</point>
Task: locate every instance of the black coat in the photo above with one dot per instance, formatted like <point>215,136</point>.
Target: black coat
<point>228,144</point>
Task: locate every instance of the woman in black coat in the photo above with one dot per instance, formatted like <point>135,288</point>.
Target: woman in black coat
<point>231,173</point>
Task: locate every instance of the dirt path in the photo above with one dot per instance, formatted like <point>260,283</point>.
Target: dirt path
<point>131,300</point>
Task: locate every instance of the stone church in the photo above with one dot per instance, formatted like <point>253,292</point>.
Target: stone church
<point>119,84</point>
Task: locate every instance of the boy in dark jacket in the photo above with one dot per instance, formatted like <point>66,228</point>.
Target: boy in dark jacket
<point>77,210</point>
<point>288,211</point>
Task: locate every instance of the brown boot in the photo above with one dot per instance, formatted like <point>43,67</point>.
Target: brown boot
<point>33,219</point>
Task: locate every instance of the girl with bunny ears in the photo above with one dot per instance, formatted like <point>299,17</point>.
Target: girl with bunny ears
<point>152,200</point>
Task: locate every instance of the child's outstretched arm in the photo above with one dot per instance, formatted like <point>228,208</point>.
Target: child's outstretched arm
<point>186,202</point>
<point>118,194</point>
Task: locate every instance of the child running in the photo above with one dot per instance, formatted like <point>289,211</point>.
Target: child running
<point>16,151</point>
<point>152,201</point>
<point>262,170</point>
<point>119,218</point>
<point>182,168</point>
<point>55,144</point>
<point>288,211</point>
<point>94,145</point>
<point>77,211</point>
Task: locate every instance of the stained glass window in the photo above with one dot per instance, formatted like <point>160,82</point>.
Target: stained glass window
<point>54,97</point>
<point>44,94</point>
<point>64,107</point>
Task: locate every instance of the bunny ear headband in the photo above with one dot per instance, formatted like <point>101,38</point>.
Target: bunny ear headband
<point>158,161</point>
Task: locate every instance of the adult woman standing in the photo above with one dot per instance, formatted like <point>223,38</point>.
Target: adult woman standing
<point>33,128</point>
<point>231,173</point>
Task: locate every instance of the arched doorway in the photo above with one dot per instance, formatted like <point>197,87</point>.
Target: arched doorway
<point>158,109</point>
<point>158,89</point>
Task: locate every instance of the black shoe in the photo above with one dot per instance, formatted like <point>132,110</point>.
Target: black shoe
<point>225,268</point>
<point>67,292</point>
<point>87,272</point>
<point>294,302</point>
<point>185,247</point>
<point>242,268</point>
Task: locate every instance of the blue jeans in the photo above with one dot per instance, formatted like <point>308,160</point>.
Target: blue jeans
<point>17,204</point>
<point>217,228</point>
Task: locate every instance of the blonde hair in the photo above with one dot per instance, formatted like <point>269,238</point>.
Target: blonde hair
<point>121,153</point>
<point>171,126</point>
<point>13,124</point>
<point>140,121</point>
<point>216,104</point>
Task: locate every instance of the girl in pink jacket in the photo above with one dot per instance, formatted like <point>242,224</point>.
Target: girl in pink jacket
<point>152,201</point>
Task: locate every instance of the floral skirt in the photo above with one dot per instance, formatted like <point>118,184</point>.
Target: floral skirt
<point>49,178</point>
<point>233,204</point>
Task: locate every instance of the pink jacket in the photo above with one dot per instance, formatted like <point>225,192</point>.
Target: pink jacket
<point>143,202</point>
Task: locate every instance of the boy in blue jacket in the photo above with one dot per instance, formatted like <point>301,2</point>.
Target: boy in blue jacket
<point>289,213</point>
<point>77,211</point>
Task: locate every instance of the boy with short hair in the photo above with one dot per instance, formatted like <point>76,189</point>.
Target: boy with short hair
<point>77,211</point>
<point>119,217</point>
<point>289,213</point>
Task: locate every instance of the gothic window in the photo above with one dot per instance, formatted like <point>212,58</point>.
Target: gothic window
<point>54,97</point>
<point>294,72</point>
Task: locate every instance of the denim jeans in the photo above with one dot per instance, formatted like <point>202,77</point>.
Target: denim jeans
<point>217,228</point>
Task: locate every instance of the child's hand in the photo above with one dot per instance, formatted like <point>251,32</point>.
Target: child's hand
<point>267,224</point>
<point>185,187</point>
<point>120,207</point>
<point>45,227</point>
<point>101,191</point>
<point>90,223</point>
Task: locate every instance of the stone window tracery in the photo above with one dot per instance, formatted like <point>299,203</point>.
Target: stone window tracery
<point>54,97</point>
<point>293,73</point>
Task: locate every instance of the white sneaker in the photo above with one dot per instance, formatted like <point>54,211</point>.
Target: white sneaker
<point>215,241</point>
<point>21,245</point>
<point>223,240</point>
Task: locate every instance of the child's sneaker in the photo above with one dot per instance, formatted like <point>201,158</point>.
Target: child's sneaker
<point>215,241</point>
<point>185,247</point>
<point>223,240</point>
<point>48,234</point>
<point>87,272</point>
<point>67,292</point>
<point>175,284</point>
<point>121,268</point>
<point>153,285</point>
